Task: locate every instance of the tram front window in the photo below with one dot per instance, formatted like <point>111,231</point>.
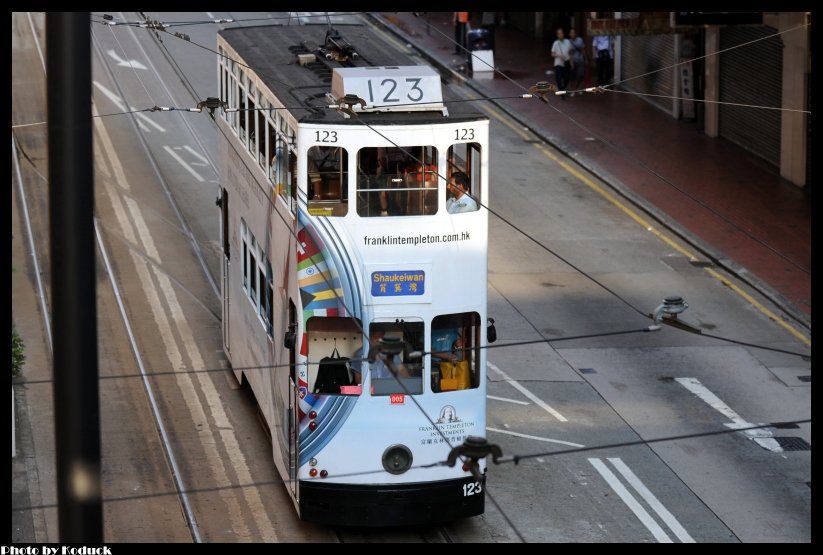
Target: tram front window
<point>327,181</point>
<point>397,181</point>
<point>331,341</point>
<point>455,352</point>
<point>393,373</point>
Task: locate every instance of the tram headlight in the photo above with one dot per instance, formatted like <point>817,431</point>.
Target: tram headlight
<point>397,459</point>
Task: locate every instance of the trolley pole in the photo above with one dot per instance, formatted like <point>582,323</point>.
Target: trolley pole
<point>74,306</point>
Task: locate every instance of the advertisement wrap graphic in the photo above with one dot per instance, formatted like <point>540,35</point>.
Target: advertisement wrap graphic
<point>321,294</point>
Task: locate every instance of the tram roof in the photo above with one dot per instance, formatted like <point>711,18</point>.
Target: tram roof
<point>271,52</point>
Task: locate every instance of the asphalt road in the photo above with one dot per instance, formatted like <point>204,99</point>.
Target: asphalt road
<point>156,186</point>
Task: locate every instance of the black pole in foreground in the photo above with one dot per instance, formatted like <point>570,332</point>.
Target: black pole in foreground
<point>74,307</point>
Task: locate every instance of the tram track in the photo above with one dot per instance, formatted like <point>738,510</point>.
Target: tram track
<point>426,535</point>
<point>430,534</point>
<point>160,424</point>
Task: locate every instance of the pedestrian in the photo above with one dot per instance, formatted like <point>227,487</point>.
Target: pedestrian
<point>489,21</point>
<point>561,52</point>
<point>578,53</point>
<point>603,52</point>
<point>460,20</point>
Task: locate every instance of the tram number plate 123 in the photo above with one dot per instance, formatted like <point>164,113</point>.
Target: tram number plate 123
<point>472,488</point>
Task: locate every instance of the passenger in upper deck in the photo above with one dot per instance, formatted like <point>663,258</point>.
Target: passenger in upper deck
<point>462,200</point>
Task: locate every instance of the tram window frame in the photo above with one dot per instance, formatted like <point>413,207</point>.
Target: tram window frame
<point>244,231</point>
<point>470,162</point>
<point>261,133</point>
<point>253,288</point>
<point>257,277</point>
<point>391,182</point>
<point>468,324</point>
<point>251,120</point>
<point>409,378</point>
<point>268,315</point>
<point>325,167</point>
<point>324,334</point>
<point>234,97</point>
<point>223,80</point>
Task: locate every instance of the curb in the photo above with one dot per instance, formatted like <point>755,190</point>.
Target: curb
<point>660,217</point>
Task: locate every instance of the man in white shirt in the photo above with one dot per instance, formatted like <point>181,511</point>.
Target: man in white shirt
<point>561,52</point>
<point>461,201</point>
<point>603,54</point>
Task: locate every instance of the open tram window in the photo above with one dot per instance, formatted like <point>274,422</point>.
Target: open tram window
<point>262,136</point>
<point>455,352</point>
<point>241,111</point>
<point>327,180</point>
<point>332,342</point>
<point>379,365</point>
<point>463,193</point>
<point>244,239</point>
<point>280,167</point>
<point>397,181</point>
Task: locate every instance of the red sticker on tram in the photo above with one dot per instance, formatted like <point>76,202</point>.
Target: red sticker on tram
<point>397,399</point>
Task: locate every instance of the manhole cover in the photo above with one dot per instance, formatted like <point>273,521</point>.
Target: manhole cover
<point>793,444</point>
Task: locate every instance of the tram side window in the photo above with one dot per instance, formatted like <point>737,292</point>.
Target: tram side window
<point>333,337</point>
<point>241,114</point>
<point>327,180</point>
<point>397,181</point>
<point>463,158</point>
<point>400,373</point>
<point>455,352</point>
<point>262,134</point>
<point>280,167</point>
<point>244,241</point>
<point>257,277</point>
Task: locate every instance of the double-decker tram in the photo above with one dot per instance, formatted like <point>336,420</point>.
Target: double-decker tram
<point>342,238</point>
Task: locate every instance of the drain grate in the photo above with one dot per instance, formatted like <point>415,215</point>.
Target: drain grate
<point>587,371</point>
<point>793,444</point>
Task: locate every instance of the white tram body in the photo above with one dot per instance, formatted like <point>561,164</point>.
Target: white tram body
<point>336,226</point>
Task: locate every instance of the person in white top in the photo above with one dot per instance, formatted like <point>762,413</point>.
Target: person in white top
<point>603,53</point>
<point>461,201</point>
<point>561,52</point>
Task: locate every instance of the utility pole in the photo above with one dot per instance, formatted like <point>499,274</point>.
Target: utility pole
<point>73,280</point>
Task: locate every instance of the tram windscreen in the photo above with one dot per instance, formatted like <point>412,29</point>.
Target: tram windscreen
<point>327,187</point>
<point>455,352</point>
<point>395,373</point>
<point>333,343</point>
<point>397,181</point>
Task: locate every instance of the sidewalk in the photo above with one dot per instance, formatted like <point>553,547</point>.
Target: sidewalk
<point>721,199</point>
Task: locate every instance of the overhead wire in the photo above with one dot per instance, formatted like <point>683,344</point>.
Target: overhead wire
<point>348,310</point>
<point>148,23</point>
<point>506,459</point>
<point>411,155</point>
<point>633,157</point>
<point>517,458</point>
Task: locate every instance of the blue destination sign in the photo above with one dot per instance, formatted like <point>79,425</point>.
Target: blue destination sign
<point>398,283</point>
